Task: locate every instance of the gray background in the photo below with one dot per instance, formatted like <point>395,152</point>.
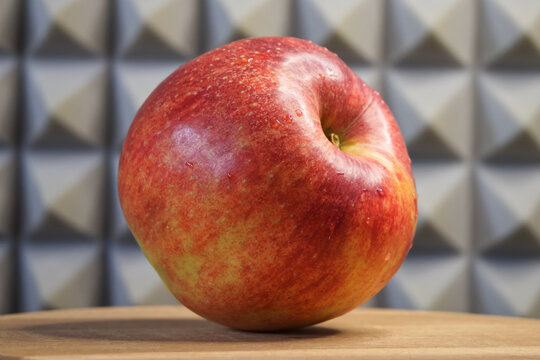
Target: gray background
<point>462,77</point>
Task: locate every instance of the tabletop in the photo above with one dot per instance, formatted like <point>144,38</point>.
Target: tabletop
<point>173,332</point>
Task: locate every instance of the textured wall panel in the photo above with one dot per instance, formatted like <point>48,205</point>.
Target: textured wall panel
<point>9,16</point>
<point>7,193</point>
<point>510,33</point>
<point>507,209</point>
<point>444,208</point>
<point>461,76</point>
<point>6,277</point>
<point>509,123</point>
<point>353,29</point>
<point>434,109</point>
<point>431,33</point>
<point>163,28</point>
<point>509,197</point>
<point>60,275</point>
<point>430,282</point>
<point>228,20</point>
<point>8,99</point>
<point>68,28</point>
<point>499,280</point>
<point>64,195</point>
<point>66,103</point>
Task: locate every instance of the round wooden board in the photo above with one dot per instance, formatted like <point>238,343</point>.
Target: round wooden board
<point>173,332</point>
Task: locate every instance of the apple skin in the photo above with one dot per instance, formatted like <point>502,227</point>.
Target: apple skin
<point>252,217</point>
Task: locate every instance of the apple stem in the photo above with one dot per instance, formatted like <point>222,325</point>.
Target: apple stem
<point>334,138</point>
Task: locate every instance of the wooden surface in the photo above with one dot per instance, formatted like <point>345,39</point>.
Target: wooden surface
<point>173,332</point>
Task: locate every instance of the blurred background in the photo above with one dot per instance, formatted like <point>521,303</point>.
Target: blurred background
<point>461,76</point>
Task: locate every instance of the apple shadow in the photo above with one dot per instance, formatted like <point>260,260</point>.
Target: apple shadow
<point>164,330</point>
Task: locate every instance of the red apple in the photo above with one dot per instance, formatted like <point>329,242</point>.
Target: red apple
<point>268,185</point>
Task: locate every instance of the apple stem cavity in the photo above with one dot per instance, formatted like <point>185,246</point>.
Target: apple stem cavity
<point>334,139</point>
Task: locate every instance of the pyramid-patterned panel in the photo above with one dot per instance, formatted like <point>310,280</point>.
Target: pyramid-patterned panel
<point>6,277</point>
<point>66,103</point>
<point>444,208</point>
<point>462,78</point>
<point>8,99</point>
<point>509,123</point>
<point>510,33</point>
<point>58,275</point>
<point>498,280</point>
<point>434,110</point>
<point>508,203</point>
<point>7,193</point>
<point>431,33</point>
<point>64,195</point>
<point>353,29</point>
<point>9,14</point>
<point>158,28</point>
<point>67,27</point>
<point>229,20</point>
<point>430,282</point>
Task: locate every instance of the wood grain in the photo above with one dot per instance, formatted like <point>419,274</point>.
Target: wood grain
<point>173,332</point>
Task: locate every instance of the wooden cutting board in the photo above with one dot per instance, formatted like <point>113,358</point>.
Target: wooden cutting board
<point>173,332</point>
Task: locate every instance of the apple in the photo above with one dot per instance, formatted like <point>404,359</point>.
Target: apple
<point>268,185</point>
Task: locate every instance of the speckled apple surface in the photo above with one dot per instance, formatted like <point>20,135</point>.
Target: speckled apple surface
<point>73,74</point>
<point>268,185</point>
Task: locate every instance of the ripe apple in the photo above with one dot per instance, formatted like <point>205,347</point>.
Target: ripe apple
<point>268,185</point>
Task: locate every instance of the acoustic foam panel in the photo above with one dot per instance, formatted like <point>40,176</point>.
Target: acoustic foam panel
<point>461,76</point>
